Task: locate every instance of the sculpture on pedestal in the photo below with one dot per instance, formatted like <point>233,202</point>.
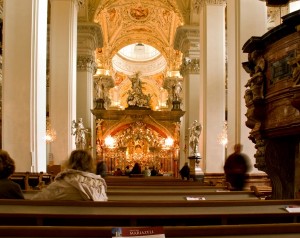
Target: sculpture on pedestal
<point>195,132</point>
<point>136,97</point>
<point>79,131</point>
<point>195,171</point>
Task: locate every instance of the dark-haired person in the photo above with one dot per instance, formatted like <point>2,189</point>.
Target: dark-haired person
<point>77,182</point>
<point>8,189</point>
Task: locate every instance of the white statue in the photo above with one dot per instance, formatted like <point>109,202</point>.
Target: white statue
<point>177,88</point>
<point>195,132</point>
<point>79,132</point>
<point>99,90</point>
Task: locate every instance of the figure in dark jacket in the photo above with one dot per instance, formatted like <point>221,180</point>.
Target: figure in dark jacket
<point>235,168</point>
<point>8,188</point>
<point>185,171</point>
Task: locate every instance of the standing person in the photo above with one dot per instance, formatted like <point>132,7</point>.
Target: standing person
<point>8,189</point>
<point>185,171</point>
<point>101,169</point>
<point>235,168</point>
<point>77,182</point>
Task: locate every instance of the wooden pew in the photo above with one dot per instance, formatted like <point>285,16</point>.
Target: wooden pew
<point>262,191</point>
<point>181,196</point>
<point>32,181</point>
<point>248,230</point>
<point>143,213</point>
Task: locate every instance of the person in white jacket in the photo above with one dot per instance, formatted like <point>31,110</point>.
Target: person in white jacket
<point>77,182</point>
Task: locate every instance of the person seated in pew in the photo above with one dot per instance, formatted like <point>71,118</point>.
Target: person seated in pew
<point>136,169</point>
<point>147,172</point>
<point>76,182</point>
<point>8,188</point>
<point>118,172</point>
<point>154,171</point>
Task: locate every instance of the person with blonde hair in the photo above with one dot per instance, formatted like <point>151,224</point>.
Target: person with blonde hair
<point>77,182</point>
<point>8,188</point>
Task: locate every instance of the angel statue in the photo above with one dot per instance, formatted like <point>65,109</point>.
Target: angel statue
<point>195,132</point>
<point>79,131</point>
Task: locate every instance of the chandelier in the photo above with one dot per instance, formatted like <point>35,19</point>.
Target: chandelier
<point>50,132</point>
<point>223,136</point>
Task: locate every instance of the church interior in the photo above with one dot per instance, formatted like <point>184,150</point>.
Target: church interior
<point>138,74</point>
<point>161,83</point>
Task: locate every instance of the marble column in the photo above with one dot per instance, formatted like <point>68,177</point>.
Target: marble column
<point>187,41</point>
<point>89,38</point>
<point>24,83</point>
<point>63,55</point>
<point>212,82</point>
<point>242,15</point>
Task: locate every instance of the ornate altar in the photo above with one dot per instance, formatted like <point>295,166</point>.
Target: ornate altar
<point>273,102</point>
<point>140,135</point>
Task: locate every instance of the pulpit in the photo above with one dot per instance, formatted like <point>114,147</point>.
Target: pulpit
<point>272,98</point>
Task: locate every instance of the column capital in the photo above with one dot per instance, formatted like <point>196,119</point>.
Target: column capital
<point>187,40</point>
<point>190,66</point>
<point>201,3</point>
<point>92,31</point>
<point>86,63</point>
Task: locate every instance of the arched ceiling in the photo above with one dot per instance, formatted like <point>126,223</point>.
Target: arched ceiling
<point>126,22</point>
<point>151,22</point>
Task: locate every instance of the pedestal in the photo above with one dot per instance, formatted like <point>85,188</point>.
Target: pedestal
<point>100,104</point>
<point>195,171</point>
<point>176,106</point>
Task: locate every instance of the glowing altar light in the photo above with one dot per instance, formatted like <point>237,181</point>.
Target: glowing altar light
<point>109,141</point>
<point>169,142</point>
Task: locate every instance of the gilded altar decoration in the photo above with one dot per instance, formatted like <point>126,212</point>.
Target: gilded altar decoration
<point>136,97</point>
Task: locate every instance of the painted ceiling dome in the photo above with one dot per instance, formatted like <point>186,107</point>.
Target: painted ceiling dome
<point>139,57</point>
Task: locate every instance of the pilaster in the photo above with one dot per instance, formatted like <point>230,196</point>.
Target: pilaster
<point>212,82</point>
<point>63,55</point>
<point>24,88</point>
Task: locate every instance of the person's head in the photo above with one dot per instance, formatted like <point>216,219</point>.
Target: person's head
<point>81,160</point>
<point>238,148</point>
<point>186,164</point>
<point>7,165</point>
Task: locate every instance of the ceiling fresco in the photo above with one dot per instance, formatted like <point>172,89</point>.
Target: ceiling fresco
<point>125,22</point>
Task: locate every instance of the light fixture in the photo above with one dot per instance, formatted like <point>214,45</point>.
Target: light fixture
<point>50,133</point>
<point>109,141</point>
<point>223,136</point>
<point>168,142</point>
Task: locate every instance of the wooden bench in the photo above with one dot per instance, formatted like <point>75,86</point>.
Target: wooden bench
<point>287,230</point>
<point>32,181</point>
<point>143,213</point>
<point>264,192</point>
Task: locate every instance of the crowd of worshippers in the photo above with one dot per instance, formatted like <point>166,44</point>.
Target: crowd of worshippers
<point>80,181</point>
<point>137,170</point>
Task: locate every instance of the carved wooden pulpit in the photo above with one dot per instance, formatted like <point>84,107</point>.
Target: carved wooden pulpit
<point>272,99</point>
